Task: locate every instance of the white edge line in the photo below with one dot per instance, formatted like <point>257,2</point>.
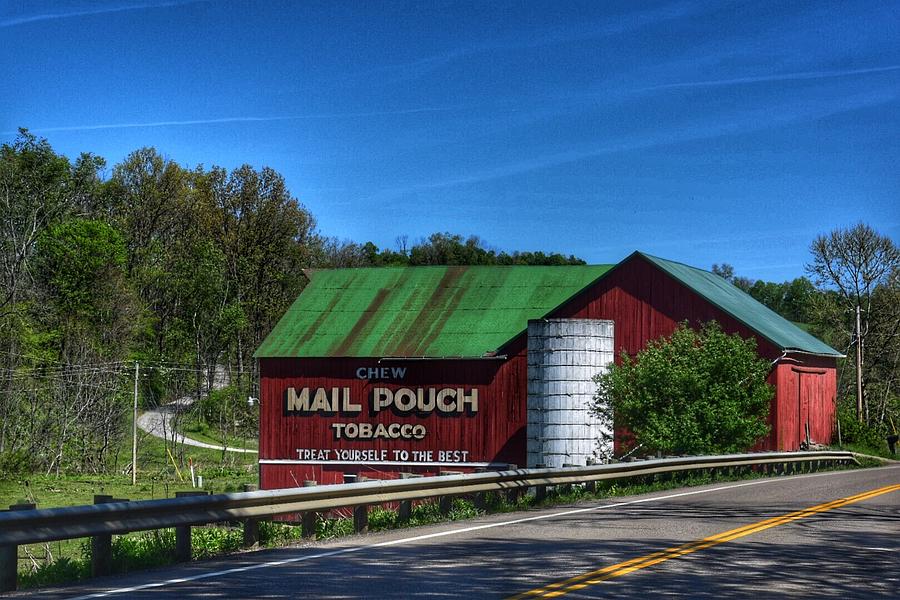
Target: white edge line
<point>308,557</point>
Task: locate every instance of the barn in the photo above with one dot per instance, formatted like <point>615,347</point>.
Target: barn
<point>383,371</point>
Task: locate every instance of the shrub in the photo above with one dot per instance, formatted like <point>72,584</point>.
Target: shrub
<point>212,541</point>
<point>695,392</point>
<point>61,570</point>
<point>17,462</point>
<point>865,437</point>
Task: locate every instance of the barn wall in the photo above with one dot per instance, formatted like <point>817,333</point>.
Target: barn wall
<point>646,303</point>
<point>495,434</point>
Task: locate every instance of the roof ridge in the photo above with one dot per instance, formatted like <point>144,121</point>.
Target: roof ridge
<point>679,263</point>
<point>775,332</point>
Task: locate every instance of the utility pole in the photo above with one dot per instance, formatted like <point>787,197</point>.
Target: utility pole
<point>859,386</point>
<point>134,426</point>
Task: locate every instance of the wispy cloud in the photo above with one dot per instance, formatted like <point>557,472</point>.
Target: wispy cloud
<point>624,24</point>
<point>739,123</point>
<point>799,76</point>
<point>93,10</point>
<point>189,122</point>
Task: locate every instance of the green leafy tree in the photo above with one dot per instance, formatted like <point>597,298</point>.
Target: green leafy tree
<point>80,261</point>
<point>695,392</point>
<point>38,189</point>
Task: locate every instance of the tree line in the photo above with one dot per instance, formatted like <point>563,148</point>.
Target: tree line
<point>181,269</point>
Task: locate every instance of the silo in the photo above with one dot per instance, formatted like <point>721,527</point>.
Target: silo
<point>563,357</point>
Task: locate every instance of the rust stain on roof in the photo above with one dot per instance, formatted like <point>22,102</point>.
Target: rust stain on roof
<point>431,321</point>
<point>365,318</point>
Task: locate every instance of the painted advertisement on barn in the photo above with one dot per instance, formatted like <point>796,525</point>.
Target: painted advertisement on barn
<point>326,417</point>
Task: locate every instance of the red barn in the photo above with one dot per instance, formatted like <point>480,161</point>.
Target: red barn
<point>420,369</point>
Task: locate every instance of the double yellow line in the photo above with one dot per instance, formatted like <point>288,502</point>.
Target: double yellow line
<point>584,580</point>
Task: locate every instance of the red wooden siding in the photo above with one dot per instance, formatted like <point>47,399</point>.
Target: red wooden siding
<point>495,434</point>
<point>806,394</point>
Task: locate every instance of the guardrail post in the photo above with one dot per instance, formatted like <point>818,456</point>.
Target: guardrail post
<point>404,511</point>
<point>513,493</point>
<point>479,499</point>
<point>361,513</point>
<point>101,546</point>
<point>251,533</point>
<point>183,532</point>
<point>251,526</point>
<point>567,487</point>
<point>9,557</point>
<point>182,542</point>
<point>540,491</point>
<point>308,518</point>
<point>361,518</point>
<point>445,503</point>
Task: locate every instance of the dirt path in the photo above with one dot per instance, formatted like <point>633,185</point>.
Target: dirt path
<point>158,423</point>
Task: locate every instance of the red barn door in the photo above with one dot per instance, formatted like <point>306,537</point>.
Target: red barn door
<point>811,397</point>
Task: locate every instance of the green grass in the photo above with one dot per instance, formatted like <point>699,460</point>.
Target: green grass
<point>883,452</point>
<point>157,478</point>
<point>202,432</point>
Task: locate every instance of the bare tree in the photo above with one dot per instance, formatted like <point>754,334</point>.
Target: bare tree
<point>857,264</point>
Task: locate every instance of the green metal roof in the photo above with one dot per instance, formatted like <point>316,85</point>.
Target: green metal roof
<point>744,308</point>
<point>421,311</point>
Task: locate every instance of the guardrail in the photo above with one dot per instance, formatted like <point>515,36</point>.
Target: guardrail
<point>25,524</point>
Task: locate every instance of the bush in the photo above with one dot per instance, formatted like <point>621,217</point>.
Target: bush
<point>212,541</point>
<point>861,435</point>
<point>382,518</point>
<point>61,570</point>
<point>272,533</point>
<point>142,550</point>
<point>696,392</point>
<point>332,528</point>
<point>18,462</point>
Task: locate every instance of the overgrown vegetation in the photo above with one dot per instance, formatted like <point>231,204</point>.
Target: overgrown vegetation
<point>694,392</point>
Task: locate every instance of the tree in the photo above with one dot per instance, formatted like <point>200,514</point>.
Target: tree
<point>791,299</point>
<point>695,392</point>
<point>38,188</point>
<point>858,266</point>
<point>726,272</point>
<point>267,238</point>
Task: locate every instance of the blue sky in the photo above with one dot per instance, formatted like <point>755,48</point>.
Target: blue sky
<point>698,131</point>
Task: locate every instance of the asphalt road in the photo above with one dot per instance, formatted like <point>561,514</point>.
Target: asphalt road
<point>837,550</point>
